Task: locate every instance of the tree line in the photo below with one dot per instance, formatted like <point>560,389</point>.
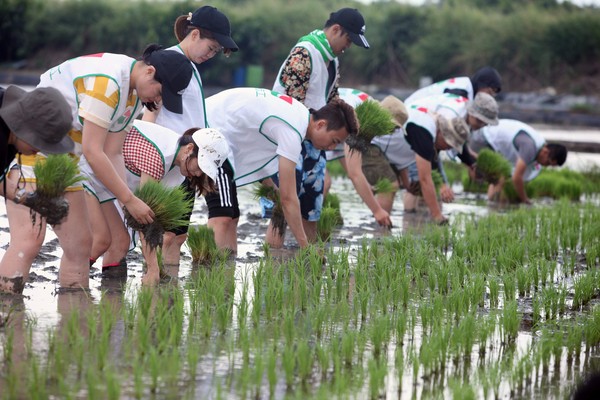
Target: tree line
<point>533,43</point>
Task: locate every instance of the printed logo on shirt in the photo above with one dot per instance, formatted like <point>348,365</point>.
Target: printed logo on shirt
<point>283,97</point>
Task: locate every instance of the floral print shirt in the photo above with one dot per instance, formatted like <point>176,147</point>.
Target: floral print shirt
<point>295,76</point>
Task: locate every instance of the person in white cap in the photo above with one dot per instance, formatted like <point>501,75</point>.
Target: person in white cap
<point>310,75</point>
<point>201,35</point>
<point>481,111</point>
<point>154,152</point>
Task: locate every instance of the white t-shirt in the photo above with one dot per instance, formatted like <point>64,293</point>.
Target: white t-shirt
<point>194,111</point>
<point>259,125</point>
<point>461,84</point>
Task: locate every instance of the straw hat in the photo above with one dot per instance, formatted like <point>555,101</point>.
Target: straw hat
<point>455,131</point>
<point>396,107</point>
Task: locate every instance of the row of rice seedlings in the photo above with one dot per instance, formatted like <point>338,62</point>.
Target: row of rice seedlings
<point>354,314</point>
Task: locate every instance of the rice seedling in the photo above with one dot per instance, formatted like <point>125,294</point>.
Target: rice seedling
<point>374,121</point>
<point>288,362</point>
<point>492,166</point>
<point>332,200</point>
<point>168,205</point>
<point>511,321</point>
<point>277,218</point>
<point>326,223</point>
<point>377,373</point>
<point>201,242</point>
<point>53,175</point>
<point>384,186</point>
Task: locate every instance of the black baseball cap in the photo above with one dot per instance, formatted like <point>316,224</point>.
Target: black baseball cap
<point>216,22</point>
<point>174,72</point>
<point>353,22</point>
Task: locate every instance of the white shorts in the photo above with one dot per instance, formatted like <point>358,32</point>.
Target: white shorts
<point>92,184</point>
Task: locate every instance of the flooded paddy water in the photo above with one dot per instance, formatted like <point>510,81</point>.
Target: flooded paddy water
<point>500,304</point>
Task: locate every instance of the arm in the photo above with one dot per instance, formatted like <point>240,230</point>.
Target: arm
<point>519,182</point>
<point>149,116</point>
<point>427,188</point>
<point>289,200</point>
<point>94,138</point>
<point>352,163</point>
<point>446,192</point>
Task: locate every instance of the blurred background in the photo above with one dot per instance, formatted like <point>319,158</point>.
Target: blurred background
<point>547,51</point>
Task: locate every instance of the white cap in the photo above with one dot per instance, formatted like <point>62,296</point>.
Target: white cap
<point>212,150</point>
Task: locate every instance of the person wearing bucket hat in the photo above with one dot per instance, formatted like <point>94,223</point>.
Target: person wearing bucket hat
<point>310,75</point>
<point>485,80</point>
<point>524,148</point>
<point>153,152</point>
<point>105,92</point>
<point>482,110</point>
<point>201,35</point>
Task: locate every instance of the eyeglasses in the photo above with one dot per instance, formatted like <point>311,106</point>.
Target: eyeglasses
<point>214,50</point>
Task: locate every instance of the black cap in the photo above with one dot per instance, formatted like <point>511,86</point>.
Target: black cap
<point>486,77</point>
<point>216,22</point>
<point>353,22</point>
<point>174,72</point>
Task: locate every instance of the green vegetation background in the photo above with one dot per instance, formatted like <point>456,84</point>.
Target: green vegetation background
<point>533,43</point>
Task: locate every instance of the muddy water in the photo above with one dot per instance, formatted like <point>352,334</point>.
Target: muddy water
<point>43,303</point>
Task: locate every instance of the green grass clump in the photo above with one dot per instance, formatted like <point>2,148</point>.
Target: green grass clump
<point>383,186</point>
<point>492,166</point>
<point>201,241</point>
<point>56,173</point>
<point>374,121</point>
<point>437,179</point>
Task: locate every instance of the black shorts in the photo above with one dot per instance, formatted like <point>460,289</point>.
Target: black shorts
<point>223,202</point>
<point>189,195</point>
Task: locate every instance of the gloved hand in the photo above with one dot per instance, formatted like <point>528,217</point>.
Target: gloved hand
<point>55,209</point>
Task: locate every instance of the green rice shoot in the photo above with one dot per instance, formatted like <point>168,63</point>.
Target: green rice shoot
<point>374,120</point>
<point>201,242</point>
<point>169,204</point>
<point>332,200</point>
<point>56,173</point>
<point>384,186</point>
<point>327,222</point>
<point>493,165</point>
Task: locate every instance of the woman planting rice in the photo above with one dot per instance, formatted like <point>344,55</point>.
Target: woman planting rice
<point>105,92</point>
<point>152,152</point>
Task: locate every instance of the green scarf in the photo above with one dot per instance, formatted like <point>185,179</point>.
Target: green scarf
<point>318,39</point>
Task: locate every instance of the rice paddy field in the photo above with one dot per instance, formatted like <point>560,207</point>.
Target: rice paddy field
<point>502,303</point>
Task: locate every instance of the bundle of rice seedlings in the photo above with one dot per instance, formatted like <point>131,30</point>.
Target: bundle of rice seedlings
<point>332,200</point>
<point>383,186</point>
<point>272,193</point>
<point>557,184</point>
<point>201,241</point>
<point>437,179</point>
<point>169,205</point>
<point>491,166</point>
<point>53,175</point>
<point>327,223</point>
<point>374,121</point>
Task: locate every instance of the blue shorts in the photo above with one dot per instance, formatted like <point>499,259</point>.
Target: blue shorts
<point>413,172</point>
<point>310,181</point>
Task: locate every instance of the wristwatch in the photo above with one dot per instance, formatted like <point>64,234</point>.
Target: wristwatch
<point>19,195</point>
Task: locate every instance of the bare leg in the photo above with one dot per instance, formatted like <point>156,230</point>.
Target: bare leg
<point>225,229</point>
<point>171,248</point>
<point>101,238</point>
<point>118,231</point>
<point>310,228</point>
<point>75,238</point>
<point>26,240</point>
